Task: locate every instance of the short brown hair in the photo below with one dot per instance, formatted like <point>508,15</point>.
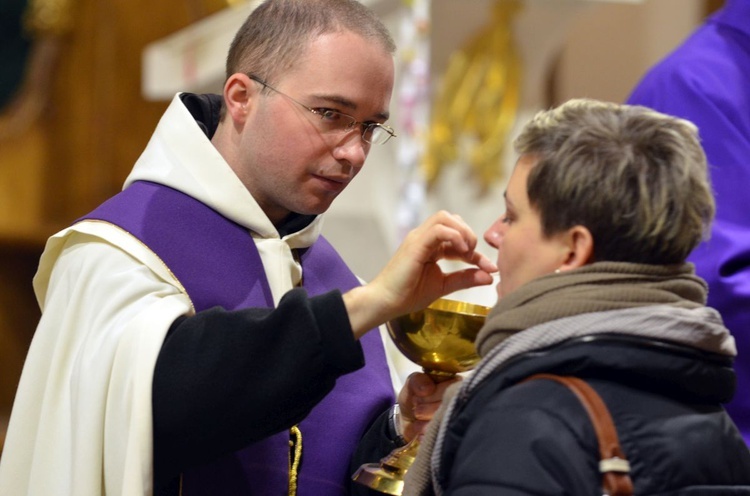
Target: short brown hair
<point>636,178</point>
<point>277,32</point>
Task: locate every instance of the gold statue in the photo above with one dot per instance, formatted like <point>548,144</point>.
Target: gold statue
<point>477,102</point>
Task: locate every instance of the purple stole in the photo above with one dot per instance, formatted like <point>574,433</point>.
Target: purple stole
<point>218,263</point>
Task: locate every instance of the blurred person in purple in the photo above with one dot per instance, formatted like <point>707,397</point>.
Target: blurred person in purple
<point>707,81</point>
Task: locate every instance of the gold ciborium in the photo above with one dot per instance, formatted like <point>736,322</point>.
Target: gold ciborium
<point>440,338</point>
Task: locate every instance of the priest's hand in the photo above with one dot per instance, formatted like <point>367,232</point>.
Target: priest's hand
<point>412,279</point>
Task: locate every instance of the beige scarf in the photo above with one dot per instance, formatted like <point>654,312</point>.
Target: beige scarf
<point>599,287</point>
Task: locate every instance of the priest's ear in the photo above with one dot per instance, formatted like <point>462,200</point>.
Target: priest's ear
<point>239,90</point>
<point>579,247</point>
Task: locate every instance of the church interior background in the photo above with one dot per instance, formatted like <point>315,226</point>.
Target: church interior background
<point>84,82</point>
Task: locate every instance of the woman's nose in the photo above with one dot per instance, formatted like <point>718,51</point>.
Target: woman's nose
<point>492,235</point>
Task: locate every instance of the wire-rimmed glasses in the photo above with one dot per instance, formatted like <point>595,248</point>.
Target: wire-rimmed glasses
<point>335,122</point>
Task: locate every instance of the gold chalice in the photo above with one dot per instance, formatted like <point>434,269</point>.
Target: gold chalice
<point>440,338</point>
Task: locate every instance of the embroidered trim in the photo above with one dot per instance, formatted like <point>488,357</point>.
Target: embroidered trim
<point>295,457</point>
<point>166,267</point>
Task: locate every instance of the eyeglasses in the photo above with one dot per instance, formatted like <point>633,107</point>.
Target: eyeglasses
<point>334,122</point>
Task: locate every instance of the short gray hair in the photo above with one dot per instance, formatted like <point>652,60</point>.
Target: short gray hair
<point>636,178</point>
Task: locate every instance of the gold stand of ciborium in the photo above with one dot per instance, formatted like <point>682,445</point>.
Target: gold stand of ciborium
<point>440,338</point>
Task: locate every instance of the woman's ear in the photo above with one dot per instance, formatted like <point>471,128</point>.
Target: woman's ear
<point>580,245</point>
<point>238,92</point>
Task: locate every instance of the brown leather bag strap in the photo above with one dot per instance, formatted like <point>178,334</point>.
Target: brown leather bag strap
<point>612,464</point>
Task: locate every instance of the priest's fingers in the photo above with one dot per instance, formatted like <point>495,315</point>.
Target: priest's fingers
<point>412,279</point>
<point>413,276</point>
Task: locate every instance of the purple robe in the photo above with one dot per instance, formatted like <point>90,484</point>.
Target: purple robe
<point>218,263</point>
<point>707,81</point>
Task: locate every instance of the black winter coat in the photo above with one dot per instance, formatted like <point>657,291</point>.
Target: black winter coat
<point>535,438</point>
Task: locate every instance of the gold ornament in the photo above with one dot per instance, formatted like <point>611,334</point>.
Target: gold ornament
<point>49,17</point>
<point>478,101</point>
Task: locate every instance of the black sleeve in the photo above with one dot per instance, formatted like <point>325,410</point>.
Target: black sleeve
<point>226,379</point>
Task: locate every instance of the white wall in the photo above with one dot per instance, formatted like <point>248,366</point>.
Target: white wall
<point>610,46</point>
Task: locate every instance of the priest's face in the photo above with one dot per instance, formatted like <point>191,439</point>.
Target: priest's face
<point>286,155</point>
